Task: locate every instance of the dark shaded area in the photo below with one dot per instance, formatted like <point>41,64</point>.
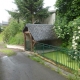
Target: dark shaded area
<point>25,29</point>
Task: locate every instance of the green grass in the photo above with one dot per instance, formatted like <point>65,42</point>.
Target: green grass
<point>3,49</point>
<point>1,37</point>
<point>36,58</point>
<point>63,58</point>
<point>7,52</point>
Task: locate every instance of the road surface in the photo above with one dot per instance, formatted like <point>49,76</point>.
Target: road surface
<point>20,67</point>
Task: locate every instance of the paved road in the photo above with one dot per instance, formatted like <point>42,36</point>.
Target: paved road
<point>20,67</point>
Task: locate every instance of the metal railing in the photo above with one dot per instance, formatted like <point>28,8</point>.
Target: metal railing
<point>59,55</point>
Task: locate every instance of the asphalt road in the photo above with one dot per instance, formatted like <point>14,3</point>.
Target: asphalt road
<point>20,67</point>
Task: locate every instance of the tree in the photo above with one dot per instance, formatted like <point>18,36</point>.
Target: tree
<point>15,14</point>
<point>0,29</point>
<point>67,10</point>
<point>12,30</point>
<point>75,24</point>
<point>32,10</point>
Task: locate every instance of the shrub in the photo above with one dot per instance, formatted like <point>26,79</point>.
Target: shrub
<point>17,39</point>
<point>75,26</point>
<point>1,37</point>
<point>13,32</point>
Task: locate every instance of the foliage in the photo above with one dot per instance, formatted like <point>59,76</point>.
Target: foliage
<point>11,30</point>
<point>67,25</point>
<point>0,29</point>
<point>67,10</point>
<point>17,39</point>
<point>1,37</point>
<point>75,25</point>
<point>61,27</point>
<point>32,10</point>
<point>62,30</point>
<point>15,15</point>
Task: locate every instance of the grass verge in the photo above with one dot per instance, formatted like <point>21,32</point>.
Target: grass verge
<point>75,76</point>
<point>7,52</point>
<point>37,59</point>
<point>1,37</point>
<point>63,59</point>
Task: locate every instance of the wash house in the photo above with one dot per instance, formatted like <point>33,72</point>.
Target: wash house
<point>39,33</point>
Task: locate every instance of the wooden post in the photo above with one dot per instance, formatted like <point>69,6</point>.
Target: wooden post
<point>24,41</point>
<point>31,41</point>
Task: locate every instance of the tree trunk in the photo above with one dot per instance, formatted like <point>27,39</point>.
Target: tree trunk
<point>18,20</point>
<point>32,19</point>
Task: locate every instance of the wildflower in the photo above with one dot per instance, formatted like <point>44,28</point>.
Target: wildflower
<point>74,47</point>
<point>78,27</point>
<point>73,36</point>
<point>78,31</point>
<point>77,37</point>
<point>75,52</point>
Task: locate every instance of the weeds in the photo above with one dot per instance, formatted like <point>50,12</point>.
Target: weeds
<point>7,52</point>
<point>35,58</point>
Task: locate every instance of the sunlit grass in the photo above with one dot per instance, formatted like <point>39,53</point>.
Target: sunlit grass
<point>7,52</point>
<point>36,58</point>
<point>3,49</point>
<point>1,37</point>
<point>64,59</point>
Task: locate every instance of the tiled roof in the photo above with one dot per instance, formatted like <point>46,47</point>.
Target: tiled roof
<point>41,31</point>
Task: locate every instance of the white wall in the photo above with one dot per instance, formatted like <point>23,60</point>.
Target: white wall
<point>50,19</point>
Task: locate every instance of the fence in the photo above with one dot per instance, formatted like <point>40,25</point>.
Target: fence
<point>59,55</point>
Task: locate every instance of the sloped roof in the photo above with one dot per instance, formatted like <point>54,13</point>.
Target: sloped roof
<point>41,31</point>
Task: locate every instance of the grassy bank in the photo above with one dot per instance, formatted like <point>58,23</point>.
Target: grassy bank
<point>1,38</point>
<point>7,52</point>
<point>63,59</point>
<point>3,49</point>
